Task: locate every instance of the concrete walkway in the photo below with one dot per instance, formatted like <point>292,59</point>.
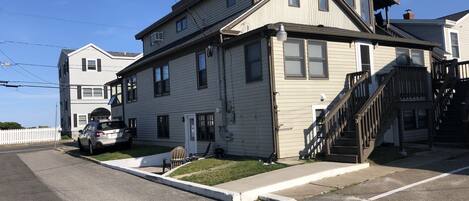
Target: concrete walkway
<point>251,187</point>
<point>323,186</point>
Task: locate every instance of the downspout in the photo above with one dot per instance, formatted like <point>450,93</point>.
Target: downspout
<point>273,101</point>
<point>123,101</point>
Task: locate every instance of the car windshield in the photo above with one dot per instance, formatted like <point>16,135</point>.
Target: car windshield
<point>105,126</point>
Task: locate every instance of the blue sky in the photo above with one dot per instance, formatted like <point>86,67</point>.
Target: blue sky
<point>113,26</point>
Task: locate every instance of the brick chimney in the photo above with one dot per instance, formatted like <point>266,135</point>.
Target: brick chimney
<point>409,15</point>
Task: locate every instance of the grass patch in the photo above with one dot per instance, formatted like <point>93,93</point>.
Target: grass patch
<point>135,151</point>
<point>388,153</point>
<point>65,137</point>
<point>206,171</point>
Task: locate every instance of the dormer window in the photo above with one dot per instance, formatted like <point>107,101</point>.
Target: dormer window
<point>230,3</point>
<point>181,24</point>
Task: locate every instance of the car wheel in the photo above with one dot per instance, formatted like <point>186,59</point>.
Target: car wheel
<point>80,146</point>
<point>90,148</point>
<point>128,145</point>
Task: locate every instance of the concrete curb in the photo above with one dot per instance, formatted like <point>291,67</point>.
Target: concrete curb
<point>263,193</point>
<point>208,191</point>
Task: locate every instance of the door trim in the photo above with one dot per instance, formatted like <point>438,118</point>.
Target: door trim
<point>186,132</point>
<point>358,56</point>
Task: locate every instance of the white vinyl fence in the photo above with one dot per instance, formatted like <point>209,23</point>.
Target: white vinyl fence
<point>24,136</point>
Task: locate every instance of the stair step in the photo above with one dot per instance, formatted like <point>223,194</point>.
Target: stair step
<point>344,149</point>
<point>343,158</point>
<point>343,141</point>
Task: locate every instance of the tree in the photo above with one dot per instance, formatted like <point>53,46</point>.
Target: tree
<point>10,125</point>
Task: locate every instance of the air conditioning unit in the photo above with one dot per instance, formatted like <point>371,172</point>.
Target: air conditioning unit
<point>157,36</point>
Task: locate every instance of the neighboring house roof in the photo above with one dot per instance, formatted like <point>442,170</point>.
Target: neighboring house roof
<point>70,52</point>
<point>178,9</point>
<point>456,16</point>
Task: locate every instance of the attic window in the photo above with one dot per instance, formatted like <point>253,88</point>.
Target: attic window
<point>294,3</point>
<point>365,11</point>
<point>324,5</point>
<point>181,24</point>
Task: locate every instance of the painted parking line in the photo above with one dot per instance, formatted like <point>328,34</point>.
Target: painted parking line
<point>417,183</point>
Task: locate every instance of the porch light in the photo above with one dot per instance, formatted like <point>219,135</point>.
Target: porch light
<point>282,34</point>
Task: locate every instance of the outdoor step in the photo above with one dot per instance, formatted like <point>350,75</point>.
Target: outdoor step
<point>343,141</point>
<point>344,149</point>
<point>342,158</point>
<point>449,139</point>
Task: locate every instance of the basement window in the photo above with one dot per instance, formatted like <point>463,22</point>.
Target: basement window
<point>415,119</point>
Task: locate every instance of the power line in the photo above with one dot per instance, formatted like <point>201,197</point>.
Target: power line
<point>34,44</point>
<point>32,74</point>
<point>45,83</point>
<point>66,20</point>
<point>54,66</point>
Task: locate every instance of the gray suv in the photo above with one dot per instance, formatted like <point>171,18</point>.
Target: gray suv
<point>102,134</point>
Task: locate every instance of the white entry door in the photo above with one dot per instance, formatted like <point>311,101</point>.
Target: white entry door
<point>191,133</point>
<point>365,62</point>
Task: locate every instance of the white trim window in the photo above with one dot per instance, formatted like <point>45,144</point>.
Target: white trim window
<point>92,92</point>
<point>454,41</point>
<point>410,57</point>
<point>92,64</point>
<point>82,119</point>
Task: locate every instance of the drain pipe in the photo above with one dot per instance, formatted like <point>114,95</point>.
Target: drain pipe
<point>273,101</point>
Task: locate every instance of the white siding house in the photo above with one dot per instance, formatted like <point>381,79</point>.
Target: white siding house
<point>82,75</point>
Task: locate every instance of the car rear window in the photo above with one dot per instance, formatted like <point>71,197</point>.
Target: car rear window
<point>105,126</point>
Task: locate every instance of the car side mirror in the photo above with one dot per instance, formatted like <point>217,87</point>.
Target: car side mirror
<point>80,131</point>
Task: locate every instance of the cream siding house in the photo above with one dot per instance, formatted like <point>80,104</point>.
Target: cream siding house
<point>256,101</point>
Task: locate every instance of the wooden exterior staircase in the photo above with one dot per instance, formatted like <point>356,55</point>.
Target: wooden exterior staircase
<point>451,109</point>
<point>352,127</point>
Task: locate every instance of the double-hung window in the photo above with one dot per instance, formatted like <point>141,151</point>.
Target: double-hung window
<point>181,24</point>
<point>87,92</point>
<point>230,3</point>
<point>253,58</point>
<point>97,92</point>
<point>201,70</point>
<point>91,64</point>
<point>323,5</point>
<point>454,44</point>
<point>206,127</point>
<point>415,119</point>
<point>161,85</point>
<point>294,58</point>
<point>131,87</point>
<point>82,120</point>
<point>417,57</point>
<point>317,59</point>
<point>294,3</point>
<point>162,126</point>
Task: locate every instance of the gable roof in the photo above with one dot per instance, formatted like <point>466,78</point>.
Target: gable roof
<point>181,44</point>
<point>112,54</point>
<point>456,16</point>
